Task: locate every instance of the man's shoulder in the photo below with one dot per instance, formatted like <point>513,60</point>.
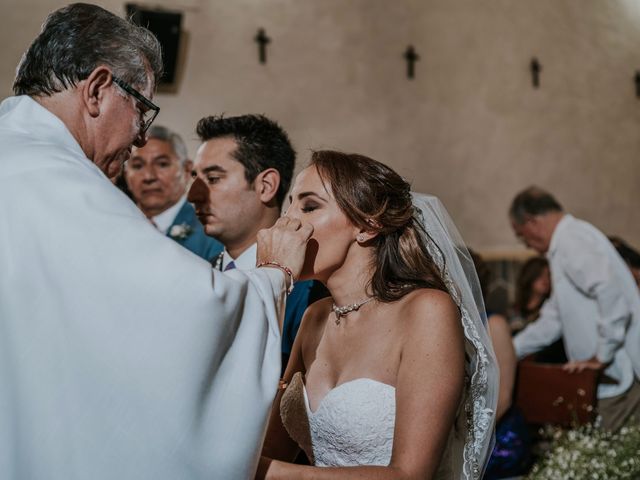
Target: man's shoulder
<point>186,214</point>
<point>194,236</point>
<point>20,153</point>
<point>32,137</point>
<point>574,234</point>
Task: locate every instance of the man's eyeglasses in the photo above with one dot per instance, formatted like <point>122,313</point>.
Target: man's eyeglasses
<point>149,111</point>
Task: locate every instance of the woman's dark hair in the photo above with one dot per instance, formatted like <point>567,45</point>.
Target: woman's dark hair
<point>376,198</point>
<point>530,271</point>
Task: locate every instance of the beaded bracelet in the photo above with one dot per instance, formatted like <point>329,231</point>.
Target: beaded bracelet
<point>286,270</point>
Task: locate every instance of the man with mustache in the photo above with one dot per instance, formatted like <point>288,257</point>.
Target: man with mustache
<point>157,176</point>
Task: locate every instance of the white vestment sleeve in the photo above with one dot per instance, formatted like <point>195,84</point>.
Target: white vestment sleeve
<point>122,354</point>
<point>544,331</point>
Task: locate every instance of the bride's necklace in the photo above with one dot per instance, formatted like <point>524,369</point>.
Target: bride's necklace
<point>343,311</point>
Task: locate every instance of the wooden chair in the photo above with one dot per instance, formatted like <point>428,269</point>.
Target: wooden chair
<point>548,395</point>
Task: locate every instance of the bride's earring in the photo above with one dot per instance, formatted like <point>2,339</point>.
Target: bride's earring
<point>360,238</point>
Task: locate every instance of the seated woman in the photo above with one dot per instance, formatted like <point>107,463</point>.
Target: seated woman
<point>393,376</point>
<point>511,455</point>
<point>533,287</point>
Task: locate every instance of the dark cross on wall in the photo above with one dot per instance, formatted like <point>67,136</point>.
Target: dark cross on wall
<point>411,57</point>
<point>262,40</point>
<point>636,79</point>
<point>536,68</point>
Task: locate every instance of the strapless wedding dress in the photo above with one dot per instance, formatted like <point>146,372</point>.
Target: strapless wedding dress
<point>352,425</point>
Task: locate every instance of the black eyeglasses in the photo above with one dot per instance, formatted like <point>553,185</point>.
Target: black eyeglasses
<point>150,110</point>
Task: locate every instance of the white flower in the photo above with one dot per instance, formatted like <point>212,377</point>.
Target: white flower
<point>180,232</point>
<point>590,453</point>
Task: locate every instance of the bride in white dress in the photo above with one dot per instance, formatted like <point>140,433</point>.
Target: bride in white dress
<point>393,377</point>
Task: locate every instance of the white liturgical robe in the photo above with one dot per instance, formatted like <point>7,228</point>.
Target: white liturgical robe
<point>122,354</point>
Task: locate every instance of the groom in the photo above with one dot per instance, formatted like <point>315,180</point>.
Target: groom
<point>122,355</point>
<point>242,172</point>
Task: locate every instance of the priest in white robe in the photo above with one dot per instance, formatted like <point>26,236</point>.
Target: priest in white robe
<point>122,354</point>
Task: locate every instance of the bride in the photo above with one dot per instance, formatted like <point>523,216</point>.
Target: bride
<point>392,377</point>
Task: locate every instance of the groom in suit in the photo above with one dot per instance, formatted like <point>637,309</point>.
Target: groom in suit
<point>242,174</point>
<point>157,176</point>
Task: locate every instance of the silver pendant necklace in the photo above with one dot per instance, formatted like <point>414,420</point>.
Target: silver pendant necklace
<point>343,311</point>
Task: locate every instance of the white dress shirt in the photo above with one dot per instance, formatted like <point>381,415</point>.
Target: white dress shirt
<point>165,219</point>
<point>594,305</point>
<point>245,261</point>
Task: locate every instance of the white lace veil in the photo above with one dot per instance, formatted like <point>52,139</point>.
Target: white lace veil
<point>472,440</point>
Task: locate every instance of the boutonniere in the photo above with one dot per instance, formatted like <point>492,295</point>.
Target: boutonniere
<point>180,232</point>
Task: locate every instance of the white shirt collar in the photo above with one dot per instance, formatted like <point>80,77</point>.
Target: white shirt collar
<point>165,219</point>
<point>245,261</point>
<point>553,244</point>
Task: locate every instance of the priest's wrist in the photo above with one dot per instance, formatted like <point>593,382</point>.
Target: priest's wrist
<point>287,271</point>
<point>603,365</point>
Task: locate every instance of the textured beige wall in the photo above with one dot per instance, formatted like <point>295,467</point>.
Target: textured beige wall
<point>469,128</point>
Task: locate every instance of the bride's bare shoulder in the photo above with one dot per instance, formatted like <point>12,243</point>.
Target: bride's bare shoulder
<point>428,308</point>
<point>429,298</point>
<point>319,311</point>
<point>312,327</point>
<point>315,316</point>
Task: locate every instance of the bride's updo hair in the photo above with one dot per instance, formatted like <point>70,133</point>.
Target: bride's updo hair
<point>376,198</point>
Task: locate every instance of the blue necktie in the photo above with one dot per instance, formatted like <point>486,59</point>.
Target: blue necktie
<point>230,266</point>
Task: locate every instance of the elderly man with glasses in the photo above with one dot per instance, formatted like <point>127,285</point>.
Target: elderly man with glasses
<point>122,355</point>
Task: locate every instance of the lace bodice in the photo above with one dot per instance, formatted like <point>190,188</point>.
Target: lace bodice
<point>353,424</point>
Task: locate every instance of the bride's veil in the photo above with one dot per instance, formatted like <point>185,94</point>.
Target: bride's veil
<point>473,439</point>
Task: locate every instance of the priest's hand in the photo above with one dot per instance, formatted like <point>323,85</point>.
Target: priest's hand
<point>284,245</point>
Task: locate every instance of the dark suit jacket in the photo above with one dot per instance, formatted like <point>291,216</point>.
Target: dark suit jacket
<point>304,294</point>
<point>197,240</point>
